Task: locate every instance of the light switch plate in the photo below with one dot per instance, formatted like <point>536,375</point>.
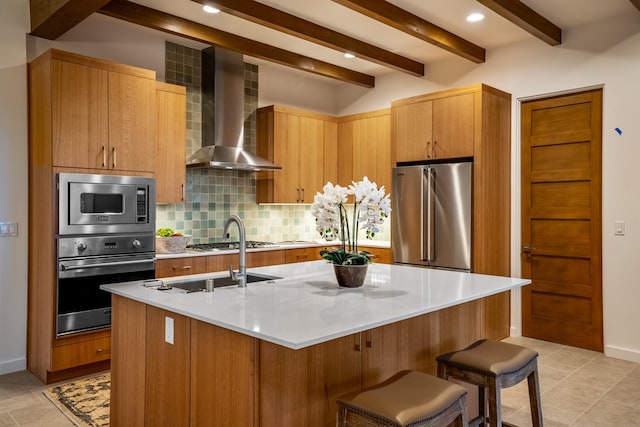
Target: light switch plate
<point>8,229</point>
<point>168,329</point>
<point>619,227</point>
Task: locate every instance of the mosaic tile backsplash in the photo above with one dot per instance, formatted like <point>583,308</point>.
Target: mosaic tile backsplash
<point>212,195</point>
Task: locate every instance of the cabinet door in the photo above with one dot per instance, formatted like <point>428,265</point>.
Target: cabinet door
<point>132,123</point>
<point>453,124</point>
<point>300,387</point>
<point>412,131</point>
<point>167,373</point>
<point>170,267</point>
<point>301,255</point>
<point>80,115</point>
<point>286,148</point>
<point>171,172</point>
<point>397,346</point>
<point>262,258</point>
<point>378,255</point>
<point>372,150</point>
<point>223,377</point>
<point>311,163</point>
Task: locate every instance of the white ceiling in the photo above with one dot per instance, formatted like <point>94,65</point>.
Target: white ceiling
<point>494,31</point>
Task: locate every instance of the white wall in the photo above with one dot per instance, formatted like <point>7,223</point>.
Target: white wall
<point>604,54</point>
<point>14,23</point>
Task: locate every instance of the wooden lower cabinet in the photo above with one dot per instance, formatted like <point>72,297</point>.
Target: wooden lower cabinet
<point>301,255</point>
<point>379,255</point>
<point>300,387</point>
<point>223,380</point>
<point>80,353</point>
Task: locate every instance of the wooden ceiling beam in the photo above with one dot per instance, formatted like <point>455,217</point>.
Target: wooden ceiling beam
<point>413,25</point>
<point>161,21</point>
<point>636,3</point>
<point>276,19</point>
<point>527,18</point>
<point>52,18</point>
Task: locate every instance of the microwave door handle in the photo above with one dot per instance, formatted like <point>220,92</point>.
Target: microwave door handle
<point>64,267</point>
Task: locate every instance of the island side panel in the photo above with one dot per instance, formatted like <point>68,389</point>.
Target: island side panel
<point>300,387</point>
<point>127,362</point>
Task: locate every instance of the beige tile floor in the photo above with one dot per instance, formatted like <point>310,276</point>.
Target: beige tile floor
<point>578,388</point>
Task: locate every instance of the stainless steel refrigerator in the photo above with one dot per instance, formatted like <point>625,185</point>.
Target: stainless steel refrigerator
<point>431,215</point>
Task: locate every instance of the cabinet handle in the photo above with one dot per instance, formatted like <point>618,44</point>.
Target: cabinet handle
<point>182,191</point>
<point>433,149</point>
<point>297,195</point>
<point>358,341</point>
<point>114,157</point>
<point>98,350</point>
<point>368,338</point>
<point>104,157</point>
<point>303,195</point>
<point>185,267</point>
<point>428,149</point>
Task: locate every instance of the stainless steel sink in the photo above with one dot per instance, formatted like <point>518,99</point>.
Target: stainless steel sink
<point>219,282</point>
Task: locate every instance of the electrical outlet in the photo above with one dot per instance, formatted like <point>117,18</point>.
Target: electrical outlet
<point>168,329</point>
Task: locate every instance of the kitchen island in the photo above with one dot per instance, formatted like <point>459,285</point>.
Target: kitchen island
<point>279,352</point>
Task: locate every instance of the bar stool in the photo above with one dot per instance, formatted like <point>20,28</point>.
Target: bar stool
<point>408,398</point>
<point>494,365</point>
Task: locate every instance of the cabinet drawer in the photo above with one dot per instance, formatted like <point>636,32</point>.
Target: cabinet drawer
<point>80,353</point>
<point>180,266</point>
<point>302,255</point>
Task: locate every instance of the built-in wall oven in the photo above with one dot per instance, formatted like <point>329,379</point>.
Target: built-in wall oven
<point>105,235</point>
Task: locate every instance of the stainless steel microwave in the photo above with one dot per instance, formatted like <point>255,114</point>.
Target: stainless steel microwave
<point>105,204</point>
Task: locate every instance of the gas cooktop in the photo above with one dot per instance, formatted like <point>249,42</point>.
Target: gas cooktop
<point>229,245</point>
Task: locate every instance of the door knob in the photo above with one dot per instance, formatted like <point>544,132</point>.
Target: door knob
<point>526,249</point>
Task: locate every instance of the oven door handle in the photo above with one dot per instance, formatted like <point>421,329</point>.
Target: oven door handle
<point>64,267</point>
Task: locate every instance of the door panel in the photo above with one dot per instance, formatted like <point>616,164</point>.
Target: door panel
<point>561,219</point>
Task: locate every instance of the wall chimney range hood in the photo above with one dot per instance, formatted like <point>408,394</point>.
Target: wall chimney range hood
<point>223,115</point>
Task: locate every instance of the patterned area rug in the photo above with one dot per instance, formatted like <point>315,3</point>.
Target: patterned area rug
<point>85,402</point>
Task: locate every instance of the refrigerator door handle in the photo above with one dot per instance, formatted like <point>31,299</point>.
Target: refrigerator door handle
<point>430,228</point>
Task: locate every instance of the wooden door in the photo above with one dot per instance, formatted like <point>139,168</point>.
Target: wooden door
<point>171,172</point>
<point>132,123</point>
<point>167,371</point>
<point>453,127</point>
<point>300,387</point>
<point>372,150</point>
<point>311,164</point>
<point>412,130</point>
<point>561,219</point>
<point>223,377</point>
<point>286,149</point>
<point>80,115</point>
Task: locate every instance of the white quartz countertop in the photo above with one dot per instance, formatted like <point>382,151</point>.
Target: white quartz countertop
<point>277,246</point>
<point>307,307</point>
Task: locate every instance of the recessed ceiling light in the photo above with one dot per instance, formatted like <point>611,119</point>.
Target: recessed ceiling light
<point>210,9</point>
<point>349,55</point>
<point>475,17</point>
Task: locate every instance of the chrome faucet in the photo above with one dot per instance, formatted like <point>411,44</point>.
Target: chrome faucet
<point>241,274</point>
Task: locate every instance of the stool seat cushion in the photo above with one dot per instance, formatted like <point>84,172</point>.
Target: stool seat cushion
<point>405,398</point>
<point>490,357</point>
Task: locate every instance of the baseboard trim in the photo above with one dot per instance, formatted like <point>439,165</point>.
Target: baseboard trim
<point>622,353</point>
<point>9,366</point>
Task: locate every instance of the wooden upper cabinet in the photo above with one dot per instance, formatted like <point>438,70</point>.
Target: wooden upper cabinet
<point>364,148</point>
<point>453,126</point>
<point>295,140</point>
<point>412,131</point>
<point>171,171</point>
<point>102,114</point>
<point>79,115</point>
<point>132,123</point>
<point>436,126</point>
